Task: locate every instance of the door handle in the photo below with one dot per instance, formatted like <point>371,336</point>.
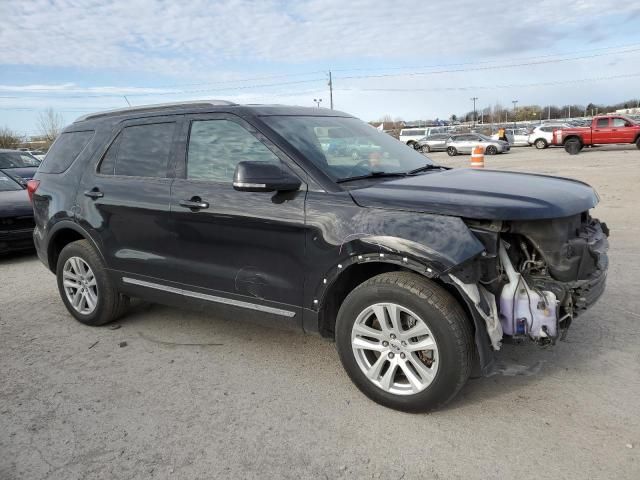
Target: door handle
<point>94,194</point>
<point>194,203</point>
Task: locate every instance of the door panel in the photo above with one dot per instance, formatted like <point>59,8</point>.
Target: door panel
<point>602,132</point>
<point>244,244</point>
<point>128,215</point>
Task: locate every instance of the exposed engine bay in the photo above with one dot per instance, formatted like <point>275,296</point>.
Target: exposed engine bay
<point>535,276</point>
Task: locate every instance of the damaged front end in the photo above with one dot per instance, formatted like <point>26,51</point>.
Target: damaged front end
<point>535,276</point>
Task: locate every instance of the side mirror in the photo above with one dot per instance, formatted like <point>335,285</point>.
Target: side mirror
<point>264,177</point>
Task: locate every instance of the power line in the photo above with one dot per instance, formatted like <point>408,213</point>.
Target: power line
<point>492,67</point>
<point>487,87</point>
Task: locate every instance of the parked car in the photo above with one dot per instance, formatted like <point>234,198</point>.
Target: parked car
<point>415,270</point>
<point>466,142</point>
<point>518,137</point>
<point>15,162</point>
<point>542,135</point>
<point>411,136</point>
<point>433,143</point>
<point>39,154</point>
<point>604,130</point>
<point>16,215</point>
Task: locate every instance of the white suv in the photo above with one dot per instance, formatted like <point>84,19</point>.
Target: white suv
<point>542,135</point>
<point>410,136</point>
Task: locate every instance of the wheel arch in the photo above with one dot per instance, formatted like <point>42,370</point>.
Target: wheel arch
<point>572,137</point>
<point>62,234</point>
<point>357,273</point>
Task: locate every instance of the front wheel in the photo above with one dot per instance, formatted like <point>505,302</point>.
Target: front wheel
<point>425,149</point>
<point>451,151</point>
<point>638,143</point>
<point>85,287</point>
<point>573,146</point>
<point>404,341</point>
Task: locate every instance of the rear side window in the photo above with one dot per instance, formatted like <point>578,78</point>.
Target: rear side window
<point>65,150</point>
<point>140,151</point>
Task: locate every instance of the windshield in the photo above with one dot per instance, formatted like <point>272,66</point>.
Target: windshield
<point>346,147</point>
<point>17,160</point>
<point>8,184</point>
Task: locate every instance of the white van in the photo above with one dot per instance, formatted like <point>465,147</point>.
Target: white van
<point>410,136</point>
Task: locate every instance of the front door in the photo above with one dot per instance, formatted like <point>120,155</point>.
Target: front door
<point>245,247</point>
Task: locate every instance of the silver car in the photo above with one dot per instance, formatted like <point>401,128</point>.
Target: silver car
<point>434,143</point>
<point>466,142</point>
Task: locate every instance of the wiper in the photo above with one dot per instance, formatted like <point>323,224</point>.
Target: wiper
<point>372,175</point>
<point>426,168</point>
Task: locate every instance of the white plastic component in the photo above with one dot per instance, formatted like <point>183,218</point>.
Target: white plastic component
<point>474,291</point>
<point>524,311</point>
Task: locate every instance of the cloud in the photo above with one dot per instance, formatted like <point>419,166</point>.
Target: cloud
<point>178,37</point>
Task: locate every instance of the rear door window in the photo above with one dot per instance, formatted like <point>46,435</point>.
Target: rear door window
<point>65,150</point>
<point>142,151</point>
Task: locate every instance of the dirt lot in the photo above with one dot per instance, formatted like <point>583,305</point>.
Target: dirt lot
<point>191,396</point>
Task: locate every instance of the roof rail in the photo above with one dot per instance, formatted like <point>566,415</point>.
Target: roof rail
<point>157,106</point>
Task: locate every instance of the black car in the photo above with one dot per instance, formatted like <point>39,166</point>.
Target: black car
<point>418,272</point>
<point>18,163</point>
<point>16,215</point>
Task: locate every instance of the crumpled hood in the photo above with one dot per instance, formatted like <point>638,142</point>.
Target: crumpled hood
<point>481,194</point>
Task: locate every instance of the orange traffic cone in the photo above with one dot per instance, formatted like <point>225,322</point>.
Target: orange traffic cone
<point>477,157</point>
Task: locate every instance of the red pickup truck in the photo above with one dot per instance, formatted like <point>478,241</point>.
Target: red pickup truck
<point>604,129</point>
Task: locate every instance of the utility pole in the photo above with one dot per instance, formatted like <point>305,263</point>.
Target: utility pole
<point>569,111</point>
<point>330,91</point>
<point>515,112</point>
<point>549,115</point>
<point>318,101</point>
<point>473,99</point>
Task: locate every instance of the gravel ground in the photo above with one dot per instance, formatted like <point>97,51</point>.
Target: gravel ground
<point>190,396</point>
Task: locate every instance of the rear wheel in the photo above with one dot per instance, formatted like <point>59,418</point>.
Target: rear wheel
<point>573,146</point>
<point>491,150</point>
<point>540,144</point>
<point>451,151</point>
<point>85,287</point>
<point>404,341</point>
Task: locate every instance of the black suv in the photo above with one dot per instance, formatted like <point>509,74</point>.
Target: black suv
<point>417,271</point>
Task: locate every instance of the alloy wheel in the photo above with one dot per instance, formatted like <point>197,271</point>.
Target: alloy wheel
<point>80,285</point>
<point>395,349</point>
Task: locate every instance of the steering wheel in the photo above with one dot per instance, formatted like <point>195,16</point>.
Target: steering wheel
<point>360,164</point>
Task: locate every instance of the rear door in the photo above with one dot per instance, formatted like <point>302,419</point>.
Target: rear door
<point>243,249</point>
<point>124,200</point>
<point>602,132</point>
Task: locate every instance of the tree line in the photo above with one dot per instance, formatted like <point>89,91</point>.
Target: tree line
<point>50,124</point>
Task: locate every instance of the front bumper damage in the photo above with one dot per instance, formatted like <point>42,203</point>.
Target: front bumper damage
<point>533,279</point>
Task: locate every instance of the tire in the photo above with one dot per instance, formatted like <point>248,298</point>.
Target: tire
<point>638,143</point>
<point>425,149</point>
<point>540,144</point>
<point>491,150</point>
<point>449,334</point>
<point>573,146</point>
<point>451,151</point>
<point>108,303</point>
<point>413,145</point>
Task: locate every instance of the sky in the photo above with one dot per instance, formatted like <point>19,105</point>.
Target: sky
<point>410,60</point>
